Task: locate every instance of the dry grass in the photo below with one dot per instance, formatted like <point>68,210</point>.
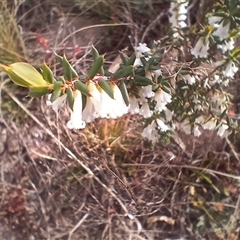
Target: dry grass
<point>12,47</point>
<point>58,184</point>
<point>105,182</point>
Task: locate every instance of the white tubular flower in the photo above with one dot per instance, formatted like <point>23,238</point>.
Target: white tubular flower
<point>216,79</point>
<point>104,109</point>
<point>225,82</point>
<point>210,125</point>
<point>230,70</point>
<point>162,99</point>
<point>222,31</point>
<point>196,131</point>
<point>138,61</point>
<point>227,46</point>
<point>76,121</point>
<point>87,114</point>
<point>93,105</point>
<point>214,20</point>
<point>134,106</point>
<point>142,48</point>
<point>178,16</point>
<point>185,126</point>
<point>168,115</point>
<point>157,73</point>
<point>190,79</point>
<point>150,132</point>
<point>119,106</point>
<point>147,91</point>
<point>161,125</point>
<point>198,106</point>
<point>222,129</point>
<point>93,91</point>
<point>145,110</point>
<point>58,103</point>
<point>201,48</point>
<point>174,14</point>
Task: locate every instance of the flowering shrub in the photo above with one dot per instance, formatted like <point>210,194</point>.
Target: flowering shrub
<point>177,93</point>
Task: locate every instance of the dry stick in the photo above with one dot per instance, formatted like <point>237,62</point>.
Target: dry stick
<point>71,154</point>
<point>77,226</point>
<point>95,26</point>
<point>151,25</point>
<point>128,189</point>
<point>210,171</point>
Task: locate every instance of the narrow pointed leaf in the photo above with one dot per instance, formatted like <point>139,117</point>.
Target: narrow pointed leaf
<point>95,68</point>
<point>82,87</point>
<point>39,91</point>
<point>123,58</point>
<point>155,87</point>
<point>124,72</point>
<point>166,89</point>
<point>95,53</point>
<point>61,78</point>
<point>143,60</point>
<point>67,69</point>
<point>47,73</point>
<point>142,81</point>
<point>70,97</point>
<point>124,92</point>
<point>59,58</point>
<point>57,90</point>
<point>131,60</point>
<point>106,87</point>
<point>84,101</point>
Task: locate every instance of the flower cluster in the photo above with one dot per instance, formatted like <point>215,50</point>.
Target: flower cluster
<point>169,93</point>
<point>178,15</point>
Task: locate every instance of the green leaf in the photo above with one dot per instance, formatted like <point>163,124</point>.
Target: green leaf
<point>95,54</point>
<point>142,81</point>
<point>57,90</point>
<point>166,89</point>
<point>17,80</point>
<point>235,53</point>
<point>131,60</point>
<point>84,101</point>
<point>82,87</point>
<point>95,68</point>
<point>106,87</point>
<point>59,58</point>
<point>155,87</point>
<point>47,73</point>
<point>61,78</point>
<point>124,92</point>
<point>143,60</point>
<point>25,75</point>
<point>124,72</point>
<point>123,58</point>
<point>40,91</point>
<point>149,64</point>
<point>70,97</point>
<point>67,69</point>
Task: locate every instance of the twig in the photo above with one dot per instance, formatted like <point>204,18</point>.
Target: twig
<point>69,152</point>
<point>133,197</point>
<point>77,226</point>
